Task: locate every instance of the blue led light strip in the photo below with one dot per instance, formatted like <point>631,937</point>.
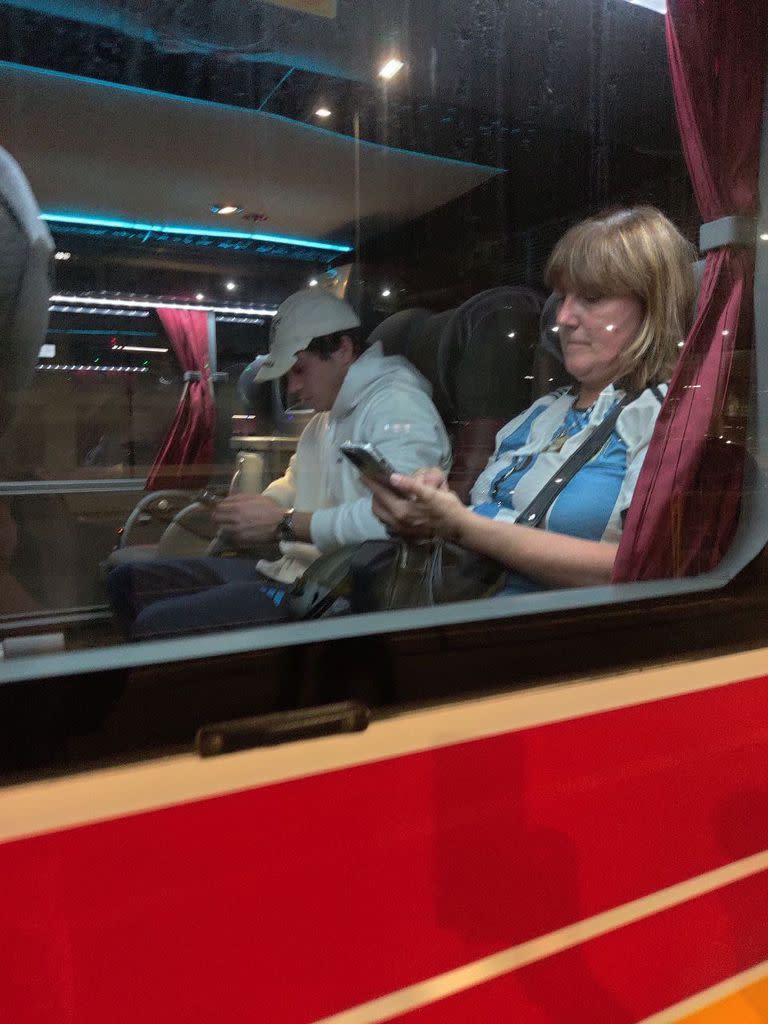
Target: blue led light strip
<point>108,222</point>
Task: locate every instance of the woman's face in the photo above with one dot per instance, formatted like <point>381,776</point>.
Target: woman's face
<point>594,333</point>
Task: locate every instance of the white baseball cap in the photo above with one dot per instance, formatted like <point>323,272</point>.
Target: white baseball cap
<point>310,313</point>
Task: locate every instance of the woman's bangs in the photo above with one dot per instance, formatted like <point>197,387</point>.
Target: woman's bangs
<point>583,264</point>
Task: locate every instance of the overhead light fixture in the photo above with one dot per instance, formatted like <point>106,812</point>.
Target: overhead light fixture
<point>62,255</point>
<point>230,286</point>
<point>391,68</point>
<point>109,222</point>
<point>313,282</point>
<point>386,293</point>
<point>199,296</point>
<point>322,112</point>
<point>137,348</point>
<point>140,307</point>
<point>226,210</point>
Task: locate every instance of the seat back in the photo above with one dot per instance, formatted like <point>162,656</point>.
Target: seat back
<point>478,358</point>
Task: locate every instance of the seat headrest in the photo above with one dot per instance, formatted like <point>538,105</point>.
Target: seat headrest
<point>26,250</point>
<point>477,357</point>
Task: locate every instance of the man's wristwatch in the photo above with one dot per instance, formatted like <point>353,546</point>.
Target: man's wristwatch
<point>285,526</point>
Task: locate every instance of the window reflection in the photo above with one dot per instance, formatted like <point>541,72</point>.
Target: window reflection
<point>403,159</point>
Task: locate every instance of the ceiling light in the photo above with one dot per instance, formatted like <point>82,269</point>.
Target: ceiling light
<point>322,112</point>
<point>199,296</point>
<point>226,210</point>
<point>313,282</point>
<point>391,68</point>
<point>118,307</point>
<point>230,286</point>
<point>63,255</point>
<point>511,334</point>
<point>386,293</point>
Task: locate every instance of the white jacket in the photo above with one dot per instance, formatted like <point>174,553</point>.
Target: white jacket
<point>383,401</point>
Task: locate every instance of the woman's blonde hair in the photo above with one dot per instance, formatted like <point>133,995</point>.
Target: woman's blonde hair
<point>635,252</point>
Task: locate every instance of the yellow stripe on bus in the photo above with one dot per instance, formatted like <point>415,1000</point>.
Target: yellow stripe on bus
<point>748,1006</point>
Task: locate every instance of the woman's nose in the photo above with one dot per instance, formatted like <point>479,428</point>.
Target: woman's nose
<point>566,313</point>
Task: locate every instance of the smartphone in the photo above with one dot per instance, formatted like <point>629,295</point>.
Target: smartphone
<point>370,463</point>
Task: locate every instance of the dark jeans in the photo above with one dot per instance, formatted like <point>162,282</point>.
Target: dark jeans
<point>190,595</point>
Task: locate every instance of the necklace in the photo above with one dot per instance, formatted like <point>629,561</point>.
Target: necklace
<point>575,421</point>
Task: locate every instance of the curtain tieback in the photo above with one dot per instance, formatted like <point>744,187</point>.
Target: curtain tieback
<point>733,230</point>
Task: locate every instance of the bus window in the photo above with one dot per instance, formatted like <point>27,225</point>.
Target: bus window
<point>407,172</point>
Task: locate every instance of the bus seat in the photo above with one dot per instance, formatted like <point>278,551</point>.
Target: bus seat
<point>190,531</point>
<point>478,358</point>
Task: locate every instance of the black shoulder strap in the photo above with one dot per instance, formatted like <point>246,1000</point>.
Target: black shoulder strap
<point>534,514</point>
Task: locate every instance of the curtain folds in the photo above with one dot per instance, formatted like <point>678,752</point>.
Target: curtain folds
<point>184,460</point>
<point>686,503</point>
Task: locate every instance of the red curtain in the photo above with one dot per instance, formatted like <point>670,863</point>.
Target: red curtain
<point>687,499</point>
<point>185,457</point>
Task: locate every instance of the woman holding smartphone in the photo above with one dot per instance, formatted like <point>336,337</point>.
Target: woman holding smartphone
<point>627,288</point>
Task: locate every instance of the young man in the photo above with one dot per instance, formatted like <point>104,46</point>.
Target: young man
<point>360,395</point>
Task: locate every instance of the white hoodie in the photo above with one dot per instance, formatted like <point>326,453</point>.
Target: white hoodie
<point>383,401</point>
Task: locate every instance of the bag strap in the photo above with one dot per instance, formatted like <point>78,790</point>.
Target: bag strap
<point>533,514</point>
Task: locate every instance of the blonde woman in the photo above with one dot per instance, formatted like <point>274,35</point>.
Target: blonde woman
<point>626,284</point>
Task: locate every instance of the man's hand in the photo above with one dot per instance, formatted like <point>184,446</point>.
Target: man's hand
<point>248,519</point>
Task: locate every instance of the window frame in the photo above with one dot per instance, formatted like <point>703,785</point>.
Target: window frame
<point>750,540</point>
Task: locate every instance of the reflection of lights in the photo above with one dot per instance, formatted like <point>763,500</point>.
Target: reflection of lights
<point>97,311</point>
<point>511,334</point>
<point>74,368</point>
<point>610,327</point>
<point>680,344</point>
<point>313,283</point>
<point>61,255</point>
<point>230,286</point>
<point>660,6</point>
<point>726,333</point>
<point>764,237</point>
<point>226,211</point>
<point>386,293</point>
<point>137,348</point>
<point>322,112</point>
<point>116,307</point>
<point>166,229</point>
<point>390,69</point>
<point>528,376</point>
<point>240,320</point>
<point>199,296</point>
<point>555,330</point>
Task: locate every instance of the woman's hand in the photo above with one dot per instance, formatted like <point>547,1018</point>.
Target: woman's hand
<point>419,507</point>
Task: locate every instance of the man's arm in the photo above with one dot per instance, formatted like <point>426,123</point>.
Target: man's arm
<point>420,442</point>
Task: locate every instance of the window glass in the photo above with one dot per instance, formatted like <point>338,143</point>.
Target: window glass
<point>199,164</point>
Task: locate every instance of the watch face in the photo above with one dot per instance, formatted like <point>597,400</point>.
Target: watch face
<point>285,529</point>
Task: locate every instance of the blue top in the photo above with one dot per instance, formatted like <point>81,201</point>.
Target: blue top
<point>533,446</point>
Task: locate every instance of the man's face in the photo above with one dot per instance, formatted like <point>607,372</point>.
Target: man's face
<point>315,382</point>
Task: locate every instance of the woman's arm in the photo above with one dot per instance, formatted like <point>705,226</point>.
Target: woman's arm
<point>416,509</point>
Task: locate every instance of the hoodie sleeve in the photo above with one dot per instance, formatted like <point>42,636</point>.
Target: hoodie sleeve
<point>406,428</point>
<point>283,490</point>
